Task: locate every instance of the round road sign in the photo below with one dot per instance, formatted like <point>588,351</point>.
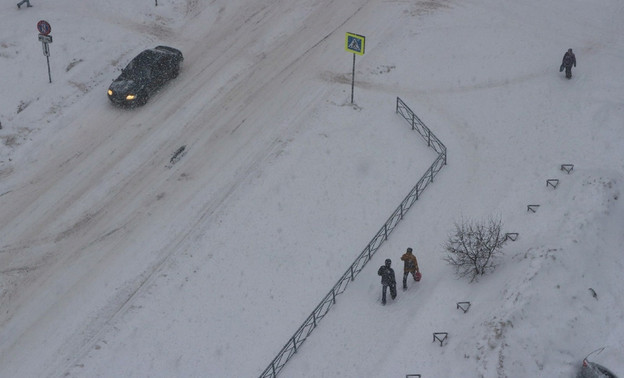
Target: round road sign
<point>44,27</point>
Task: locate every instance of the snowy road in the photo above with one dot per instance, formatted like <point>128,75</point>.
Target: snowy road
<point>114,263</point>
<point>93,251</point>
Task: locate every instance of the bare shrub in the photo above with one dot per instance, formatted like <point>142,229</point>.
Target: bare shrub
<point>474,246</point>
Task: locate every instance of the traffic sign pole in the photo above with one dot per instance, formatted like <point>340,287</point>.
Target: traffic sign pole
<point>45,41</point>
<point>355,44</point>
<point>44,29</point>
<point>49,74</point>
<point>353,78</point>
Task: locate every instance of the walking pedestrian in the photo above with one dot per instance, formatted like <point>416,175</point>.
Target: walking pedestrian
<point>569,60</point>
<point>410,265</point>
<point>388,279</point>
<point>22,2</point>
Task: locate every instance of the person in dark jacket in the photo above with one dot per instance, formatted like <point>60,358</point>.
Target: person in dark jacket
<point>410,265</point>
<point>22,2</point>
<point>568,61</point>
<point>387,279</point>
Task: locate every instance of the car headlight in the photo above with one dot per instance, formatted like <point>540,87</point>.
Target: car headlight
<point>110,92</point>
<point>130,97</point>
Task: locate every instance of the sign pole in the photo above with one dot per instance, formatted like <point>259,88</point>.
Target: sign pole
<point>49,74</point>
<point>45,38</point>
<point>353,78</point>
<point>354,43</point>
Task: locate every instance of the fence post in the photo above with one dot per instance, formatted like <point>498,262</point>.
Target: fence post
<point>334,295</point>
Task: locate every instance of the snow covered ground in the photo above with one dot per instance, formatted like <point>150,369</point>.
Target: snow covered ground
<point>114,264</point>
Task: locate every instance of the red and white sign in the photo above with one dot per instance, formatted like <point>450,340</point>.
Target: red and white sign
<point>44,27</point>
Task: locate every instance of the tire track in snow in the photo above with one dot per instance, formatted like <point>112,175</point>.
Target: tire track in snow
<point>251,101</point>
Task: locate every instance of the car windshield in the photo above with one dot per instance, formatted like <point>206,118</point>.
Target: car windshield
<point>141,66</point>
<point>136,72</point>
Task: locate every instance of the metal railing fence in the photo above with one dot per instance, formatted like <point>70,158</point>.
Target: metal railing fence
<point>418,125</point>
<point>302,333</point>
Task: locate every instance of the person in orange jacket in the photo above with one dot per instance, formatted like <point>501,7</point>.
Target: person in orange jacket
<point>410,266</point>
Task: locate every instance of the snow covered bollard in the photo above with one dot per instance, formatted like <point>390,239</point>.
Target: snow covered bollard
<point>567,168</point>
<point>440,336</point>
<point>513,236</point>
<point>552,183</point>
<point>464,306</point>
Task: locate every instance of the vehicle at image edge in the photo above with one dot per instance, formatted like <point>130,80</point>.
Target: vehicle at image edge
<point>144,75</point>
<point>590,369</point>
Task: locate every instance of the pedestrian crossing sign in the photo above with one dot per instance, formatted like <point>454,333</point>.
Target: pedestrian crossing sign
<point>355,43</point>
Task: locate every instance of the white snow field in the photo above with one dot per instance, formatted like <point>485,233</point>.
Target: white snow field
<point>115,263</point>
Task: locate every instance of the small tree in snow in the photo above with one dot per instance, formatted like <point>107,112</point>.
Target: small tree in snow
<point>474,247</point>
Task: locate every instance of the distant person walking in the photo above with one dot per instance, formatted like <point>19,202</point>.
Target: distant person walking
<point>22,2</point>
<point>568,61</point>
<point>410,265</point>
<point>387,279</point>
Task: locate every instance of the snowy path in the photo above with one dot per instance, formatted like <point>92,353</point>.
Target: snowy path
<point>112,264</point>
<point>105,174</point>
